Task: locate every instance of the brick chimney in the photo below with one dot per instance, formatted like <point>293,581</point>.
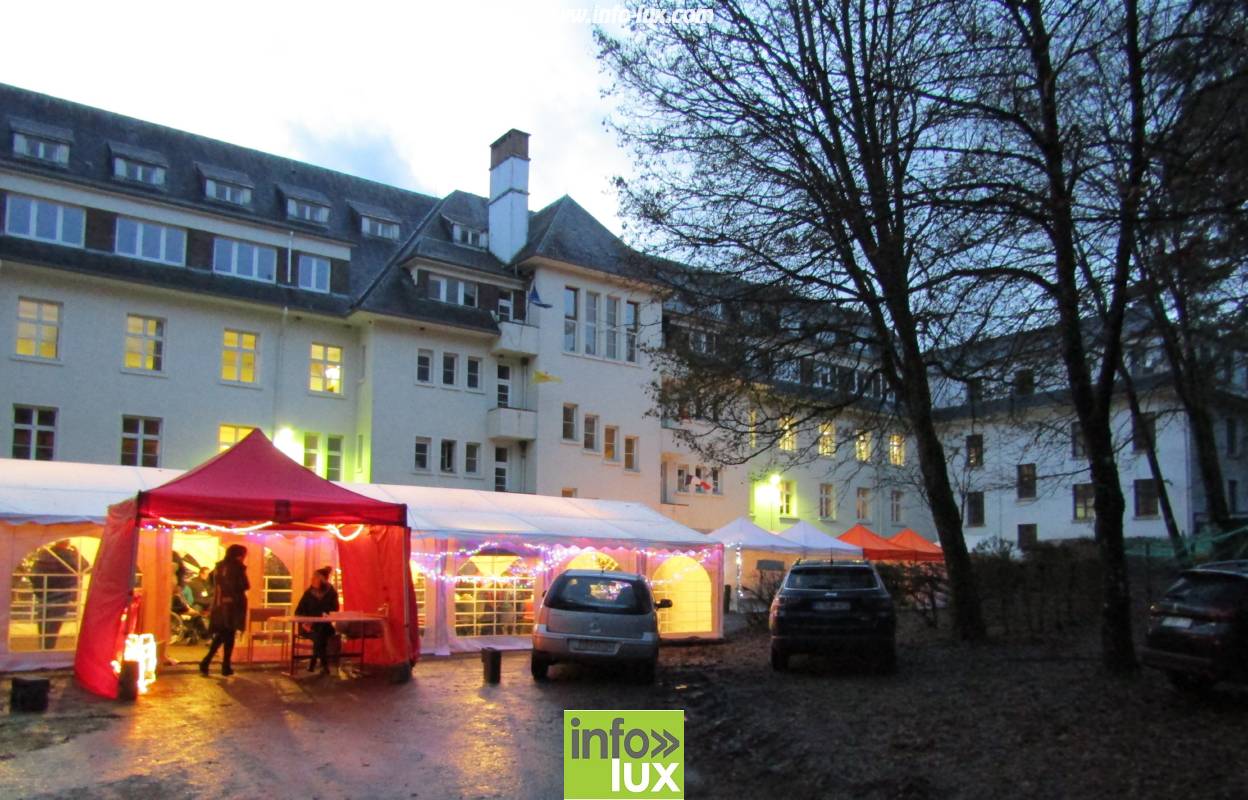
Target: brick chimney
<point>509,194</point>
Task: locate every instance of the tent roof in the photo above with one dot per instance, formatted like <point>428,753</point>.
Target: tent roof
<point>746,535</point>
<point>438,513</point>
<point>51,492</point>
<point>811,538</point>
<point>864,537</point>
<point>912,541</point>
<point>253,480</point>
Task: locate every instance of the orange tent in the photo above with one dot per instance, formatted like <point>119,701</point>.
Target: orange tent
<point>875,547</point>
<point>923,549</point>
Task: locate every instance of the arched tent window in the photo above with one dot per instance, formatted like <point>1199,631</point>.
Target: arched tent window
<point>592,559</point>
<point>686,583</point>
<point>494,595</point>
<point>278,585</point>
<point>418,591</point>
<point>49,587</point>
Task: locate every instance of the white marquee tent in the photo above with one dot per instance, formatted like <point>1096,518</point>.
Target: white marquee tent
<point>481,560</point>
<point>818,544</point>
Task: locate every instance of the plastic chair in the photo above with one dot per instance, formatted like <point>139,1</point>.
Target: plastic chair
<point>258,630</point>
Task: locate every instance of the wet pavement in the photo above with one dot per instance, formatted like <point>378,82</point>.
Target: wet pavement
<point>262,734</point>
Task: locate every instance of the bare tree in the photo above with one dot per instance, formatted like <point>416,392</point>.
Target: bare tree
<point>790,144</point>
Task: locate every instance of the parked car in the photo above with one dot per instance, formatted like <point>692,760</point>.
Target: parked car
<point>1198,631</point>
<point>598,617</point>
<point>836,608</point>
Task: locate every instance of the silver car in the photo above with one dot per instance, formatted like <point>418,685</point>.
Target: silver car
<point>597,617</point>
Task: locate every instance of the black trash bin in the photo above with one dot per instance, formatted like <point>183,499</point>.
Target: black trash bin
<point>29,694</point>
<point>128,681</point>
<point>492,664</point>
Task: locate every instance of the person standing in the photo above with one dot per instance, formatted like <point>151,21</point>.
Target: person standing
<point>229,606</point>
<point>319,599</point>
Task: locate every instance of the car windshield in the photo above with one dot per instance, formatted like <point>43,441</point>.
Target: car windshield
<point>831,578</point>
<point>600,594</point>
<point>1209,589</point>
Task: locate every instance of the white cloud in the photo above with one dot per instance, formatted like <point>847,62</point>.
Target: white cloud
<point>420,88</point>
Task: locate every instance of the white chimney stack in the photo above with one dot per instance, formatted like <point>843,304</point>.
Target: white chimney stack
<point>509,194</point>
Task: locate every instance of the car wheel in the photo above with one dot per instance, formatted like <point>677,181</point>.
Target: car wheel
<point>645,671</point>
<point>1187,682</point>
<point>539,665</point>
<point>779,659</point>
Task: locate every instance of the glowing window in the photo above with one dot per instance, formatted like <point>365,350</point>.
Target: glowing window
<point>494,596</point>
<point>788,435</point>
<point>827,439</point>
<point>38,328</point>
<point>897,450</point>
<point>686,583</point>
<point>238,356</point>
<point>230,435</point>
<point>145,343</point>
<point>49,587</point>
<point>325,369</point>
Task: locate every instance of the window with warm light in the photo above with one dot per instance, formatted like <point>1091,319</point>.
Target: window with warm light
<point>230,435</point>
<point>238,356</point>
<point>140,442</point>
<point>610,440</point>
<point>827,439</point>
<point>753,428</point>
<point>862,504</point>
<point>325,369</point>
<point>312,452</point>
<point>38,329</point>
<point>897,450</point>
<point>632,454</point>
<point>1085,502</point>
<point>862,446</point>
<point>145,343</point>
<point>788,435</point>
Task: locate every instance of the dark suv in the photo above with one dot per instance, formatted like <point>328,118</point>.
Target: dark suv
<point>833,607</point>
<point>1198,632</point>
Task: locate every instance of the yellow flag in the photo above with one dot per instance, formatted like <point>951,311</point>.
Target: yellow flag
<point>545,377</point>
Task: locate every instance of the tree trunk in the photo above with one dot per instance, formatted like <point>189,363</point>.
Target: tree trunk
<point>1177,544</point>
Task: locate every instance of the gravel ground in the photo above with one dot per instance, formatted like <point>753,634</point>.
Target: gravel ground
<point>1007,719</point>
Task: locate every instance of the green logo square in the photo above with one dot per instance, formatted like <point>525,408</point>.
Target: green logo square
<point>624,754</point>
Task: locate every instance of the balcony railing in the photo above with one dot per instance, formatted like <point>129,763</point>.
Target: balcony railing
<point>511,424</point>
<point>515,339</point>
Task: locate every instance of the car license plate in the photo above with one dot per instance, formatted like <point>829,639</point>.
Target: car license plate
<point>1176,622</point>
<point>591,646</point>
<point>831,605</point>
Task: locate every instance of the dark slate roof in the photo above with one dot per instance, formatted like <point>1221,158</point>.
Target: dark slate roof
<point>379,280</point>
<point>564,231</point>
<point>97,133</point>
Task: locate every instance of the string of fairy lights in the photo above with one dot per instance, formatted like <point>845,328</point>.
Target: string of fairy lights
<point>542,560</point>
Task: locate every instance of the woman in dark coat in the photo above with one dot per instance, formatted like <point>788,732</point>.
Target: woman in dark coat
<point>318,600</point>
<point>229,606</point>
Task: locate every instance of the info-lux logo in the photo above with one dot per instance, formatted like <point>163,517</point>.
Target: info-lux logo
<point>638,755</point>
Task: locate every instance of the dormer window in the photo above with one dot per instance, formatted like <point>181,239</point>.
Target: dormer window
<point>305,205</point>
<point>138,165</point>
<point>42,149</point>
<point>137,171</point>
<point>384,229</point>
<point>469,237</point>
<point>225,185</point>
<point>41,142</point>
<point>227,192</point>
<point>308,212</point>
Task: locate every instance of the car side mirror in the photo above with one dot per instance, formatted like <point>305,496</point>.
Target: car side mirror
<point>664,603</point>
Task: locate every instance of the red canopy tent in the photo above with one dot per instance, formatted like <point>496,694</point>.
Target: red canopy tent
<point>923,549</point>
<point>874,547</point>
<point>249,488</point>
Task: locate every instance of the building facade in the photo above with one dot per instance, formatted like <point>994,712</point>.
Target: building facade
<point>161,294</point>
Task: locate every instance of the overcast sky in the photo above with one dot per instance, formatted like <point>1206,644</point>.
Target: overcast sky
<point>408,93</point>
